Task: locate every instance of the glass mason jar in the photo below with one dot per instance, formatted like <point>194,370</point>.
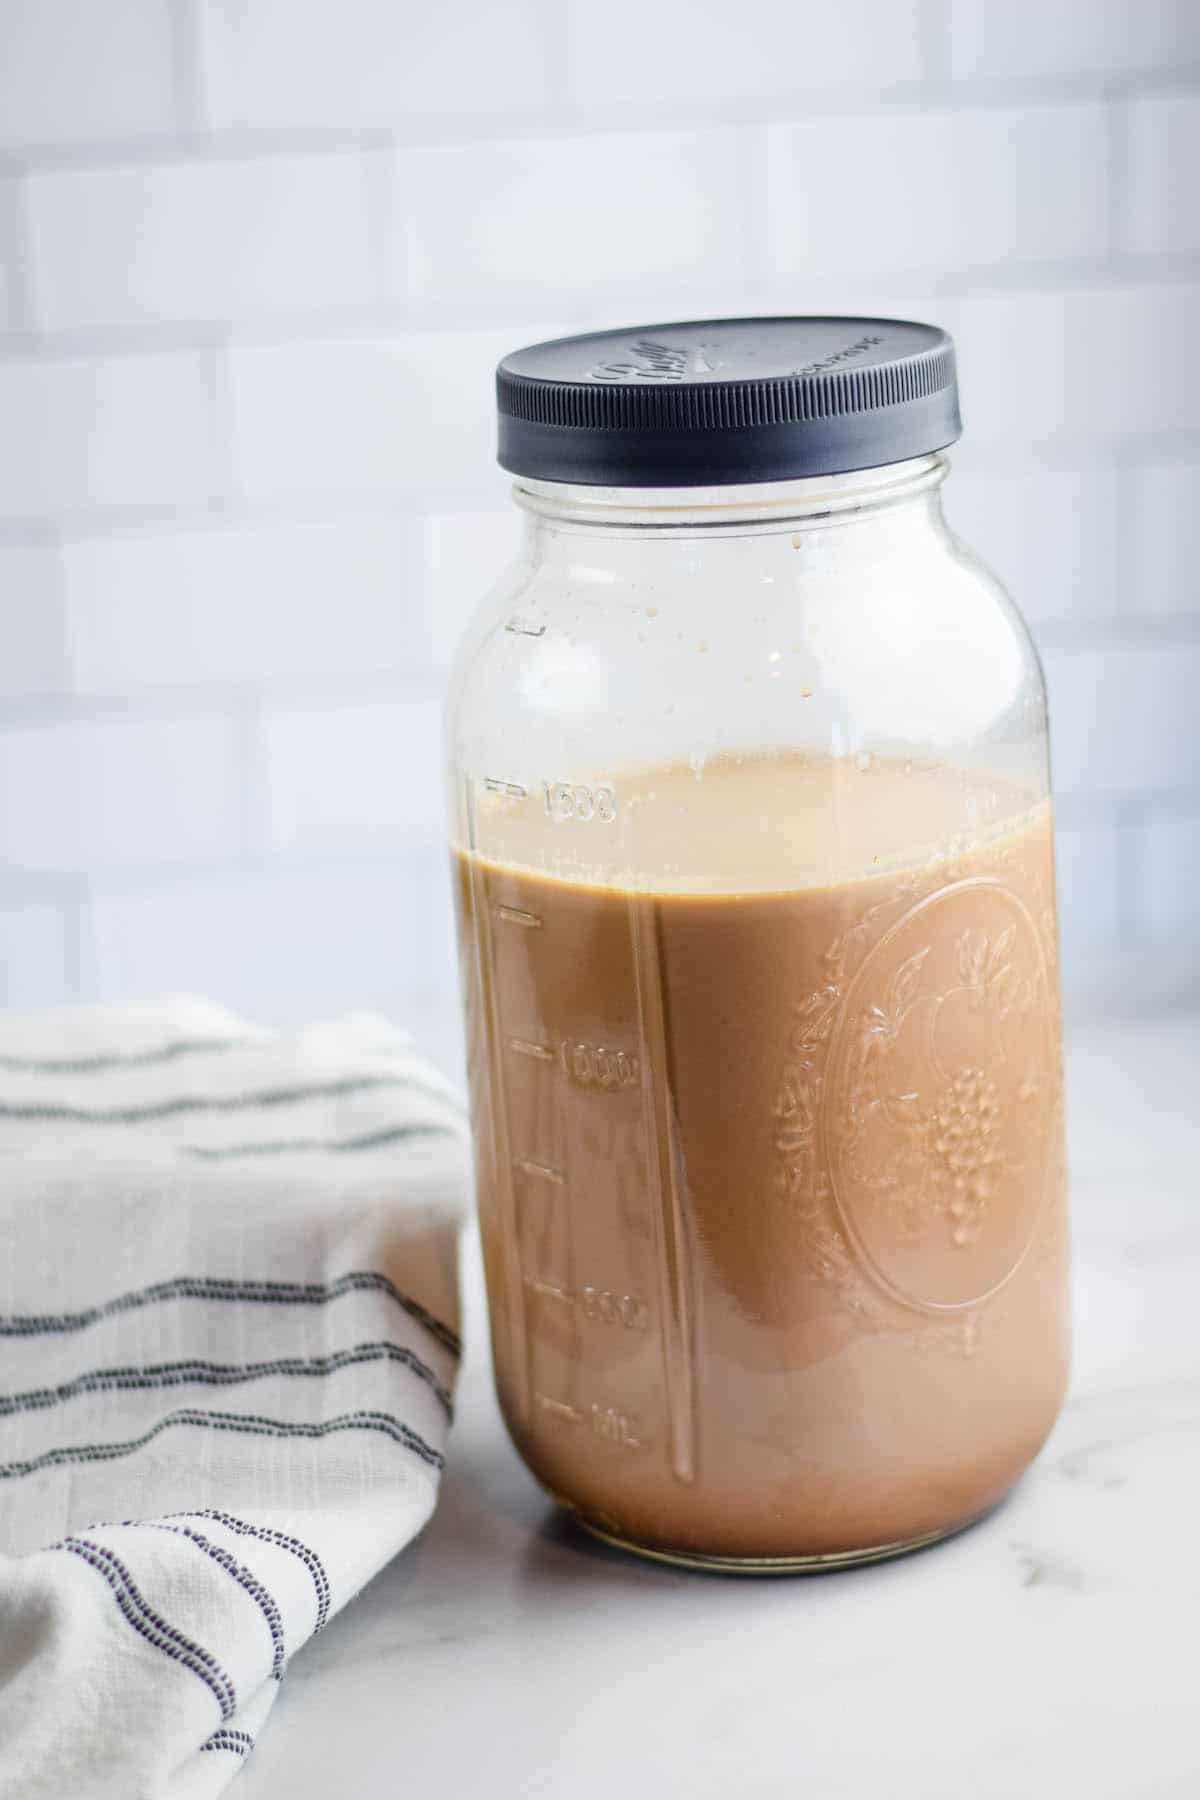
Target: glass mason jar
<point>751,821</point>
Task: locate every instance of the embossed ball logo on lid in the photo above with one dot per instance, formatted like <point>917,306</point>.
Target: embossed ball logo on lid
<point>646,360</point>
<point>938,1131</point>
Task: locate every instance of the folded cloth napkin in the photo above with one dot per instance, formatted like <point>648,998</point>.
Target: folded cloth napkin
<point>228,1311</point>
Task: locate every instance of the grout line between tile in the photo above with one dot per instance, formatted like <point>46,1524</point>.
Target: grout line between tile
<point>934,33</point>
<point>19,262</point>
<point>184,33</point>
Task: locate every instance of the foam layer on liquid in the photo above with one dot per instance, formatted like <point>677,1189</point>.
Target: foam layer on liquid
<point>747,824</point>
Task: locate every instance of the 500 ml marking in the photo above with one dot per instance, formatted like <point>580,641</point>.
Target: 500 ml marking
<point>602,1305</point>
<point>615,1309</point>
<point>575,800</point>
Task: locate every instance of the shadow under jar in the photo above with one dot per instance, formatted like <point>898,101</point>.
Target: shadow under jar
<point>751,820</point>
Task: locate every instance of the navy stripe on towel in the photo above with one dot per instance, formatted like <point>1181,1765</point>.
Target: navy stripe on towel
<point>148,1624</point>
<point>285,1541</point>
<point>245,1578</point>
<point>30,1110</point>
<point>220,1287</point>
<point>97,1062</point>
<point>248,1424</point>
<point>196,1372</point>
<point>373,1140</point>
<point>239,1742</point>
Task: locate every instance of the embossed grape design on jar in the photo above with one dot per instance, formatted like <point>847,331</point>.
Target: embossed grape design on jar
<point>750,812</point>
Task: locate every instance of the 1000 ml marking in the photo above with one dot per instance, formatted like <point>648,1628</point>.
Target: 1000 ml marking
<point>588,1065</point>
<point>565,800</point>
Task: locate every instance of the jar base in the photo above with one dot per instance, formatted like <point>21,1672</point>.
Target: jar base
<point>778,1565</point>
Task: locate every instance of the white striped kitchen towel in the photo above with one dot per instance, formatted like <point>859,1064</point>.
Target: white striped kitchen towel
<point>228,1346</point>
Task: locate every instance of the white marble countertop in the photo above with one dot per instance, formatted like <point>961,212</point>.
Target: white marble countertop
<point>1053,1650</point>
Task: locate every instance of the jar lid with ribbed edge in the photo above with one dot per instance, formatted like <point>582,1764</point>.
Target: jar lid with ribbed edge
<point>717,402</point>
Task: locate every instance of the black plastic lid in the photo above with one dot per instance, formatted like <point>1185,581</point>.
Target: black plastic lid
<point>713,402</point>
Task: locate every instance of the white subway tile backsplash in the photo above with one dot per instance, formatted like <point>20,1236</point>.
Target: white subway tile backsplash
<point>1087,856</point>
<point>217,238</point>
<point>339,938</point>
<point>946,188</point>
<point>1167,861</point>
<point>37,944</point>
<point>1160,208</point>
<point>80,795</point>
<point>361,63</point>
<point>378,412</point>
<point>246,604</point>
<point>11,255</point>
<point>364,776</point>
<point>302,518</point>
<point>708,51</point>
<point>568,215</point>
<point>28,648</point>
<point>1035,38</point>
<point>1078,365</point>
<point>1123,718</point>
<point>1165,523</point>
<point>1051,535</point>
<point>79,434</point>
<point>466,555</point>
<point>72,72</point>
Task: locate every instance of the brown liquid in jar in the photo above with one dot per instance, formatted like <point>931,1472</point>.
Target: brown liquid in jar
<point>770,1169</point>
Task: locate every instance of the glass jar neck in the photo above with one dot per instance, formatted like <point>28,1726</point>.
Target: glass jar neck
<point>748,508</point>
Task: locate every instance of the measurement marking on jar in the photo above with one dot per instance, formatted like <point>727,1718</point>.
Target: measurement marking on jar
<point>607,1423</point>
<point>611,1308</point>
<point>614,1428</point>
<point>576,800</point>
<point>522,628</point>
<point>543,1171</point>
<point>513,788</point>
<point>595,1065</point>
<point>559,1409</point>
<point>513,915</point>
<point>547,1291</point>
<point>601,1306</point>
<point>527,1047</point>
